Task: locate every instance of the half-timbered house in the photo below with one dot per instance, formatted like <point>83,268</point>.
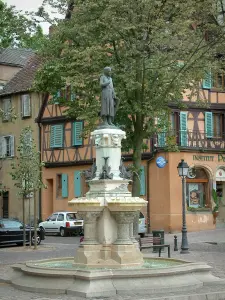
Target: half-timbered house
<point>196,134</point>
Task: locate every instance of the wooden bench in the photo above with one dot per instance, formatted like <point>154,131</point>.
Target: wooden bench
<point>153,242</point>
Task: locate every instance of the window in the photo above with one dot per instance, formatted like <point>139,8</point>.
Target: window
<point>59,185</point>
<point>26,106</point>
<point>213,124</point>
<point>7,106</point>
<point>219,81</point>
<point>60,217</point>
<point>197,195</point>
<point>7,146</point>
<point>70,217</point>
<point>56,136</point>
<point>53,217</point>
<point>77,130</point>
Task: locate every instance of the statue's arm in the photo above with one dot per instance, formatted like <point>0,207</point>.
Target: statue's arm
<point>104,83</point>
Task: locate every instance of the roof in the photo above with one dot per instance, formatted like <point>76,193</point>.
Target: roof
<point>17,57</point>
<point>23,80</point>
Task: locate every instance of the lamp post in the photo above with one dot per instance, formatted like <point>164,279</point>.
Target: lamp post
<point>183,171</point>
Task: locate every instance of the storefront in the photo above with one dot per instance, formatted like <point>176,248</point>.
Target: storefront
<point>207,172</point>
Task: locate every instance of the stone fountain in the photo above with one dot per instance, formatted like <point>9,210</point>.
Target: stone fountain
<point>108,261</point>
<point>108,209</point>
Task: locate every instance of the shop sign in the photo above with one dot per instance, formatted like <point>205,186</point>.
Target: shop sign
<point>161,162</point>
<point>220,157</point>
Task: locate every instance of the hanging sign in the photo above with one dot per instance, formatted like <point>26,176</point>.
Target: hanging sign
<point>161,162</point>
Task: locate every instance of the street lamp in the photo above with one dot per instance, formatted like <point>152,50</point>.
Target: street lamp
<point>183,171</point>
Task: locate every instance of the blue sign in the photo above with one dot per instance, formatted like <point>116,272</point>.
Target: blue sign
<point>161,162</point>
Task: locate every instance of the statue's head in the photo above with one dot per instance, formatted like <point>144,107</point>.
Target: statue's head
<point>107,71</point>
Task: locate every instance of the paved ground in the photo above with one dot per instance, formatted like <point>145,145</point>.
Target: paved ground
<point>207,246</point>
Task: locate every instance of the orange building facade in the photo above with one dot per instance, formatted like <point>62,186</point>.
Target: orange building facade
<point>197,135</point>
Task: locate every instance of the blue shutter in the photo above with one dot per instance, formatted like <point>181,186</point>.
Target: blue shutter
<point>56,136</point>
<point>77,133</point>
<point>77,184</point>
<point>207,81</point>
<point>161,136</point>
<point>72,94</point>
<point>64,185</point>
<point>142,181</point>
<point>183,129</point>
<point>209,124</point>
<point>56,97</point>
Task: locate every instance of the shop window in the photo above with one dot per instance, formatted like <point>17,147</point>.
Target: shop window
<point>197,195</point>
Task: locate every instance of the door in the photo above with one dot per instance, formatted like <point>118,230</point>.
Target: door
<point>50,225</point>
<point>60,222</point>
<point>5,206</point>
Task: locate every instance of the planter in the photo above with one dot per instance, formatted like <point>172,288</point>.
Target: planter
<point>215,215</point>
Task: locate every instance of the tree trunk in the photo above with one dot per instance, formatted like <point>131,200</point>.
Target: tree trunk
<point>35,221</point>
<point>30,225</point>
<point>24,225</point>
<point>136,185</point>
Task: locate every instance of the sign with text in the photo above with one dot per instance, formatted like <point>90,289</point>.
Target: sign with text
<point>220,157</point>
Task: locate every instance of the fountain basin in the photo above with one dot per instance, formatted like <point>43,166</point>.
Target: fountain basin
<point>157,275</point>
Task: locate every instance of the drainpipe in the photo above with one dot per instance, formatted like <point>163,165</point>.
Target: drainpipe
<point>39,146</point>
<point>148,193</point>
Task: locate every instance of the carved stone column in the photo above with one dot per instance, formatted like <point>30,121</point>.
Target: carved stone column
<point>90,227</point>
<point>123,219</point>
<point>132,237</point>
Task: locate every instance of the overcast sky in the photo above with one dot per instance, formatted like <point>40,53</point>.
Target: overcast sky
<point>28,5</point>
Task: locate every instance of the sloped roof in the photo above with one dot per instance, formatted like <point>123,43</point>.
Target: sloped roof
<point>23,80</point>
<point>15,56</point>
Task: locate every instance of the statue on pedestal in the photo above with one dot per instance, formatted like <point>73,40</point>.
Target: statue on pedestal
<point>109,101</point>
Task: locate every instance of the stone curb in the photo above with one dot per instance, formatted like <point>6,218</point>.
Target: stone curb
<point>208,296</point>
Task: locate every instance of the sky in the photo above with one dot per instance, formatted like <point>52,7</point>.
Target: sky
<point>28,5</point>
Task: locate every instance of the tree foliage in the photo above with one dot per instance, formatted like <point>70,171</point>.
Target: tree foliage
<point>26,170</point>
<point>16,30</point>
<point>157,50</point>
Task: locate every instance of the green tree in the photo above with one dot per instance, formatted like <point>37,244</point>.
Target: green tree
<point>16,30</point>
<point>26,171</point>
<point>157,50</point>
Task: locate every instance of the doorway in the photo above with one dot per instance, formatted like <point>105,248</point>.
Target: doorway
<point>5,205</point>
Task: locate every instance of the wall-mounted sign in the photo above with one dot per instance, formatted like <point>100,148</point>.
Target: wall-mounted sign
<point>161,162</point>
<point>220,175</point>
<point>220,157</point>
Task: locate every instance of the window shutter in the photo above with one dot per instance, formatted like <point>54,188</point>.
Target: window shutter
<point>183,129</point>
<point>142,181</point>
<point>77,184</point>
<point>207,81</point>
<point>26,108</point>
<point>2,147</point>
<point>6,109</point>
<point>56,136</point>
<point>77,133</point>
<point>64,185</point>
<point>209,124</point>
<point>12,146</point>
<point>56,97</point>
<point>161,136</point>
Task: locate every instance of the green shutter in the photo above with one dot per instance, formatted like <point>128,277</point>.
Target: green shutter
<point>56,136</point>
<point>77,133</point>
<point>161,136</point>
<point>64,185</point>
<point>207,81</point>
<point>183,129</point>
<point>209,124</point>
<point>56,97</point>
<point>77,184</point>
<point>142,181</point>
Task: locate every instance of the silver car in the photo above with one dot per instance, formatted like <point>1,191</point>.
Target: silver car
<point>142,225</point>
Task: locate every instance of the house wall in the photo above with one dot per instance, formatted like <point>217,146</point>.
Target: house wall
<point>14,128</point>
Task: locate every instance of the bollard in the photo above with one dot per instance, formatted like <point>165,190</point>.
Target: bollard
<point>175,243</point>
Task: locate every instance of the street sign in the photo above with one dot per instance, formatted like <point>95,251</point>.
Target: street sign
<point>161,162</point>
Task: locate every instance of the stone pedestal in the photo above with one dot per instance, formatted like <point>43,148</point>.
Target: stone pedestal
<point>90,227</point>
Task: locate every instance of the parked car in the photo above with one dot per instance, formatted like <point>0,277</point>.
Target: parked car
<point>142,225</point>
<point>11,232</point>
<point>63,223</point>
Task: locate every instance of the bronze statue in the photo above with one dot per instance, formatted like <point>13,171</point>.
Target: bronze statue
<point>109,101</point>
